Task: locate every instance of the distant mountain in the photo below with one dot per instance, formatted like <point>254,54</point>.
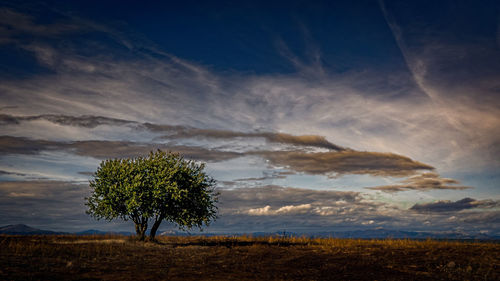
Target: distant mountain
<point>99,232</point>
<point>22,229</point>
<point>387,234</point>
<point>366,234</point>
<point>90,232</point>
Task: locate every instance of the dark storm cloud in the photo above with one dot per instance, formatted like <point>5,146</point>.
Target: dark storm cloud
<point>346,162</point>
<point>107,149</point>
<point>423,182</point>
<point>449,206</point>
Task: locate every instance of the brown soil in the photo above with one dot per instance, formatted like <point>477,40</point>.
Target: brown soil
<point>243,258</point>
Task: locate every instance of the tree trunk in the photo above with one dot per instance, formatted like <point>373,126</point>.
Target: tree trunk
<point>154,228</point>
<point>140,230</point>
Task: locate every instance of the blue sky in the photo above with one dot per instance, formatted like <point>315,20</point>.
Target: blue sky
<point>312,116</point>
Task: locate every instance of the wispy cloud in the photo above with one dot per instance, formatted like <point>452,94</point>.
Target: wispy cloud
<point>107,149</point>
<point>337,161</point>
<point>362,110</point>
<point>13,23</point>
<point>346,162</point>
<point>452,71</point>
<point>305,140</point>
<point>422,182</point>
<point>371,122</point>
<point>86,121</point>
<point>331,163</point>
<point>174,132</point>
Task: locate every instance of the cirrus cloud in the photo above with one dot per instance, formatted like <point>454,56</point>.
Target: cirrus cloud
<point>422,182</point>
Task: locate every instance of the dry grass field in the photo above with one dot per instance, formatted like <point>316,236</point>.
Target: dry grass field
<point>68,257</point>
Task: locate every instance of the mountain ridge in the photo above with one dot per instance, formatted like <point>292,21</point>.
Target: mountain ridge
<point>22,229</point>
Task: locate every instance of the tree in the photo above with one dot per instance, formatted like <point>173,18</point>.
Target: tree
<point>162,186</point>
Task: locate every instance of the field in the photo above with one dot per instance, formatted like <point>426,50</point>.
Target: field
<point>69,257</point>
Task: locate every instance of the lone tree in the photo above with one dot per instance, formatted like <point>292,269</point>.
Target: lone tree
<point>162,186</point>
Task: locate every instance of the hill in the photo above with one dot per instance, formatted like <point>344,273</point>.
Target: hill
<point>22,229</point>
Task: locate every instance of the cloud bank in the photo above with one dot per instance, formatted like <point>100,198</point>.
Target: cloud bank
<point>449,206</point>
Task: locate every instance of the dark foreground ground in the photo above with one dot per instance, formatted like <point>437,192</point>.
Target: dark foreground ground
<point>243,258</point>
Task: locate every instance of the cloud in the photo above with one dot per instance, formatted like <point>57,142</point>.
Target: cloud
<point>86,121</point>
<point>13,23</point>
<point>372,110</point>
<point>422,182</point>
<point>2,172</point>
<point>338,161</point>
<point>107,149</point>
<point>56,205</point>
<point>272,207</point>
<point>59,205</point>
<point>278,201</point>
<point>267,175</point>
<point>304,140</point>
<point>89,121</point>
<point>278,196</point>
<point>453,69</point>
<point>290,209</point>
<point>345,162</point>
<point>16,145</point>
<point>24,201</point>
<point>449,206</point>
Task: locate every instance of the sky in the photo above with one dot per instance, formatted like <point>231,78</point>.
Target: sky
<point>313,116</point>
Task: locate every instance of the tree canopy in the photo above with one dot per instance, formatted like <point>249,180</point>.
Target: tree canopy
<point>162,186</point>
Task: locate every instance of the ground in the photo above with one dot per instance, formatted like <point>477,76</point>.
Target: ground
<point>71,257</point>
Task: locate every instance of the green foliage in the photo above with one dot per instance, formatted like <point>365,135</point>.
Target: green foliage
<point>162,186</point>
